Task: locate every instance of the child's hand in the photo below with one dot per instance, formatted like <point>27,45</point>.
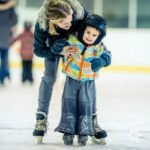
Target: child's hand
<point>96,64</point>
<point>103,61</point>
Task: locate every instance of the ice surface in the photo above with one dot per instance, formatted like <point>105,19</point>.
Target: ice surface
<point>123,101</point>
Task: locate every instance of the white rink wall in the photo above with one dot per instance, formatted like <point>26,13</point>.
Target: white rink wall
<point>26,14</point>
<point>129,47</point>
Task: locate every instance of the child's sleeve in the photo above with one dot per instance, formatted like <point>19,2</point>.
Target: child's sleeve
<point>103,58</point>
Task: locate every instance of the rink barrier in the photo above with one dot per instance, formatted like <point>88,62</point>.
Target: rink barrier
<point>113,68</point>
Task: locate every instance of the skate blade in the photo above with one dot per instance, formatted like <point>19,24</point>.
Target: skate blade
<point>98,141</point>
<point>39,139</point>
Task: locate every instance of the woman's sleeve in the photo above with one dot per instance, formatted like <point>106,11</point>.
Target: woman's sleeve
<point>40,42</point>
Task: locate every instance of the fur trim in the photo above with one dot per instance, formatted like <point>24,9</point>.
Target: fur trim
<point>77,7</point>
<point>43,20</point>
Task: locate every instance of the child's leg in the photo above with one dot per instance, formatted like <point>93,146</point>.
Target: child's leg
<point>24,70</point>
<point>84,118</point>
<point>30,77</point>
<point>67,123</point>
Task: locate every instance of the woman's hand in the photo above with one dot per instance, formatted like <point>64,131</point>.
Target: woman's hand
<point>68,51</point>
<point>58,46</point>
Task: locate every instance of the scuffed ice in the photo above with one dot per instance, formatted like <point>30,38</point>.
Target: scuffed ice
<point>123,110</point>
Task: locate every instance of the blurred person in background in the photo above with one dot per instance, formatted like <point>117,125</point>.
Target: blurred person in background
<point>8,19</point>
<point>26,51</point>
<point>56,20</point>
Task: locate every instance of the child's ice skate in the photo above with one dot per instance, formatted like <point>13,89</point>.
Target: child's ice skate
<point>99,134</point>
<point>68,138</point>
<point>82,139</point>
<point>40,127</point>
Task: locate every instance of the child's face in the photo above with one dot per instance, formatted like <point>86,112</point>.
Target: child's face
<point>90,35</point>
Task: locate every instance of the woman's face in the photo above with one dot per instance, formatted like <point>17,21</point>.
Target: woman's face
<point>90,35</point>
<point>65,23</point>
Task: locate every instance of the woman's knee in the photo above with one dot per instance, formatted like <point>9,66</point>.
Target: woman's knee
<point>49,80</point>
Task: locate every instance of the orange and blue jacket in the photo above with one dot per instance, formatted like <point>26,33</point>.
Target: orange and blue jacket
<point>78,65</point>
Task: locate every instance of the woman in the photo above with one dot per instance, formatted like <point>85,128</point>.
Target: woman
<point>57,19</point>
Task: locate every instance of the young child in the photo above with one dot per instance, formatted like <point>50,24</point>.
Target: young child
<point>26,51</point>
<point>87,56</point>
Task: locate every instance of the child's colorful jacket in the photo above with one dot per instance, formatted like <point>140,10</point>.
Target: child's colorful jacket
<point>78,65</point>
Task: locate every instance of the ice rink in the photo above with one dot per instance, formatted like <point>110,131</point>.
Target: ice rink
<point>123,101</point>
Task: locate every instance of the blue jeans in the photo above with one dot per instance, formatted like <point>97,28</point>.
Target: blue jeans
<point>4,65</point>
<point>77,105</point>
<point>47,83</point>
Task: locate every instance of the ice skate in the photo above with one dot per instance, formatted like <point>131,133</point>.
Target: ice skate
<point>40,127</point>
<point>82,139</point>
<point>99,134</point>
<point>100,141</point>
<point>68,139</point>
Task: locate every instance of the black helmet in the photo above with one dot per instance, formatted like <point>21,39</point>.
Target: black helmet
<point>94,21</point>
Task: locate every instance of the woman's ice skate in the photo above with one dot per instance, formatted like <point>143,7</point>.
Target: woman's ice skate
<point>40,127</point>
<point>39,139</point>
<point>99,134</point>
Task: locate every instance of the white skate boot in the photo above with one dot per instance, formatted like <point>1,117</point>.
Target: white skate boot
<point>40,127</point>
<point>99,134</point>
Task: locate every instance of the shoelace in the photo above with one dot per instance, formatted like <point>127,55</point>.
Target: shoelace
<point>42,125</point>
